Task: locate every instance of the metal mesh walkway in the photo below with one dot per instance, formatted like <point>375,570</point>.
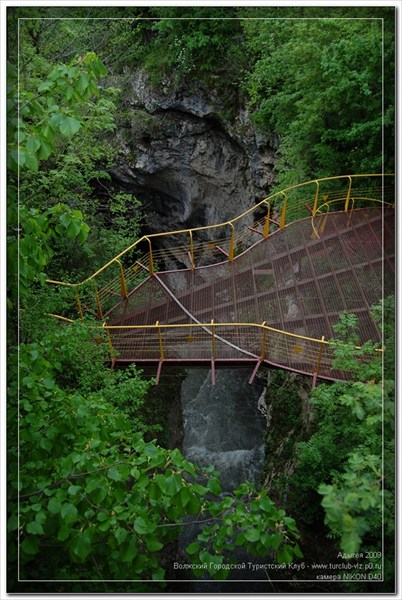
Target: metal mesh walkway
<point>267,286</point>
<point>292,281</point>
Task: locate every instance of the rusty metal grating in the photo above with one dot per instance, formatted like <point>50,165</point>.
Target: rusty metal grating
<point>297,280</point>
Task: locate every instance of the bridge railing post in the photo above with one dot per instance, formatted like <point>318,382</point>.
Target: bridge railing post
<point>282,219</point>
<point>123,287</point>
<point>161,353</point>
<point>264,340</point>
<point>232,243</point>
<point>213,355</point>
<point>267,218</point>
<point>151,259</point>
<point>160,340</point>
<point>348,194</point>
<point>263,351</point>
<point>191,250</point>
<point>318,364</point>
<point>316,198</point>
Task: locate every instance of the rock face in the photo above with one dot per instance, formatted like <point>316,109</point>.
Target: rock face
<point>187,163</point>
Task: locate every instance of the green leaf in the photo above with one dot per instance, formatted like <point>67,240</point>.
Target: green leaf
<point>252,535</point>
<point>45,150</point>
<point>69,512</point>
<point>45,86</point>
<point>83,83</point>
<point>63,532</point>
<point>73,229</point>
<point>30,545</point>
<point>128,551</point>
<point>12,523</point>
<point>214,486</point>
<point>284,555</point>
<point>193,506</point>
<point>102,515</point>
<point>74,489</point>
<point>48,382</point>
<point>183,497</point>
<point>81,546</point>
<point>276,540</point>
<point>65,219</point>
<point>114,474</point>
<point>153,544</point>
<point>33,144</point>
<point>54,506</point>
<point>297,551</point>
<point>31,162</point>
<point>68,126</point>
<point>193,548</point>
<point>120,534</point>
<point>35,528</point>
<point>142,525</point>
<point>69,93</point>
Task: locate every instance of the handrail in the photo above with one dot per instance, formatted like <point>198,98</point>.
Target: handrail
<point>265,201</point>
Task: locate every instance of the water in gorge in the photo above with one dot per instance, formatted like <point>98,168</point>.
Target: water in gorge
<point>222,424</point>
<point>223,427</point>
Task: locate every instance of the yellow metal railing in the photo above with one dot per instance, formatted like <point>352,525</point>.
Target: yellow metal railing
<point>212,341</point>
<point>113,281</point>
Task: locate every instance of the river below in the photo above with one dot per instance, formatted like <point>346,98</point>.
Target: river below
<point>223,427</point>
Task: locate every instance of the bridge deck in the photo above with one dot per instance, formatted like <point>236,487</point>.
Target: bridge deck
<point>295,281</point>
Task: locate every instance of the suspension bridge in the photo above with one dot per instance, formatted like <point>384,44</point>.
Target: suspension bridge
<point>265,287</point>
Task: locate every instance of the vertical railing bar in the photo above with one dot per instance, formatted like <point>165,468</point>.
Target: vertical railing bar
<point>348,194</point>
<point>283,213</point>
<point>161,354</point>
<point>231,247</point>
<point>317,367</point>
<point>161,351</point>
<point>264,340</point>
<point>213,357</point>
<point>266,224</point>
<point>151,260</point>
<point>123,287</point>
<point>191,249</point>
<point>316,198</point>
<point>262,355</point>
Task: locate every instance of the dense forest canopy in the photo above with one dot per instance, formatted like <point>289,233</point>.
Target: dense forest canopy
<point>94,498</point>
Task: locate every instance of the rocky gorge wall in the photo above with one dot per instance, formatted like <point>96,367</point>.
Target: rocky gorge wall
<point>185,159</point>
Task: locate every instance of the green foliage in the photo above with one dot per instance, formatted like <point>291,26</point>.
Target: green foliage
<point>199,41</point>
<point>46,115</point>
<point>352,449</point>
<point>49,111</point>
<point>362,362</point>
<point>248,520</point>
<point>94,491</point>
<point>317,83</point>
<point>39,229</point>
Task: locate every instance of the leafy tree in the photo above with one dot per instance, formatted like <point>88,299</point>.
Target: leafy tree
<point>354,425</point>
<point>354,500</point>
<point>317,83</point>
<point>45,116</point>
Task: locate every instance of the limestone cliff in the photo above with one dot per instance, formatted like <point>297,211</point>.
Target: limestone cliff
<point>185,159</point>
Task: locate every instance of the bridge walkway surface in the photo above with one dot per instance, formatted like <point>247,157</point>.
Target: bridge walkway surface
<point>268,296</point>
